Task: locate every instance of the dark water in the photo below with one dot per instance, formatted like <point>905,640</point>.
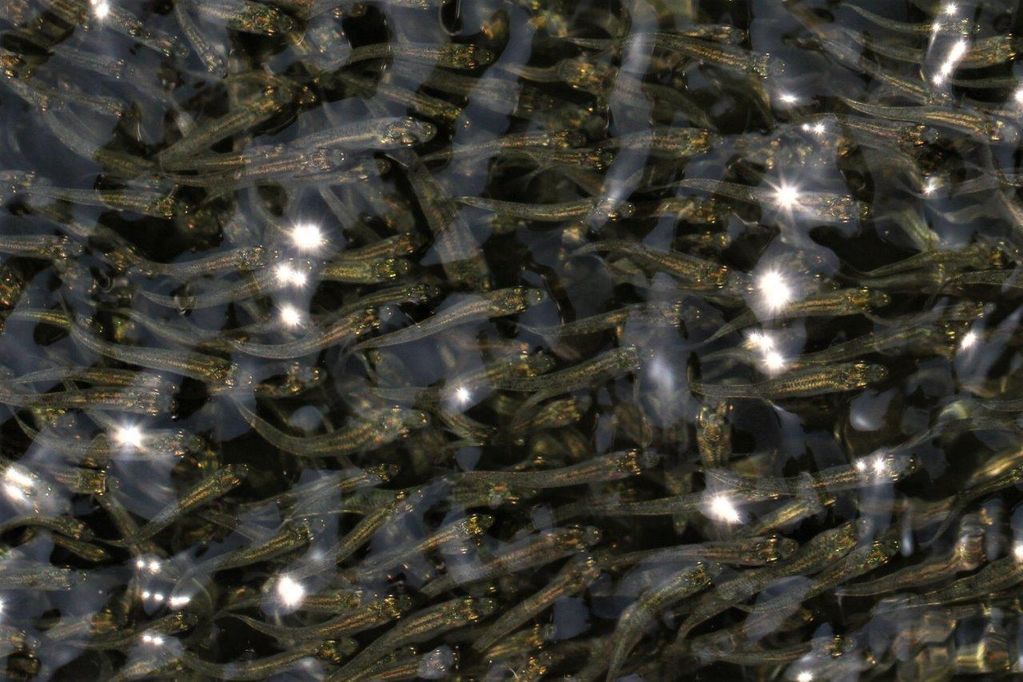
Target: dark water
<point>510,340</point>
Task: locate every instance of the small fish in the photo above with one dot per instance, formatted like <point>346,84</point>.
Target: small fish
<point>837,378</point>
<point>419,627</point>
<point>967,555</point>
<point>697,273</point>
<point>644,611</point>
<point>714,435</point>
<point>498,303</point>
<point>822,206</point>
<point>454,242</point>
<point>535,550</point>
<point>269,666</point>
<point>556,213</point>
<point>961,120</point>
<point>609,467</point>
<point>574,577</point>
<point>360,618</point>
<point>819,552</point>
<point>213,486</point>
<point>754,551</point>
<point>372,431</point>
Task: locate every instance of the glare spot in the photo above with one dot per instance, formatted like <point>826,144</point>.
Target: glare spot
<point>930,186</point>
<point>463,396</point>
<point>158,597</point>
<point>805,676</point>
<point>17,477</point>
<point>129,435</point>
<point>760,341</point>
<point>786,195</point>
<point>291,316</point>
<point>18,485</point>
<point>722,509</point>
<point>955,55</point>
<point>788,98</point>
<point>140,563</point>
<point>154,566</point>
<point>774,362</point>
<point>307,237</point>
<point>951,9</point>
<point>775,291</point>
<point>1018,96</point>
<point>969,340</point>
<point>288,275</point>
<point>178,601</point>
<point>880,466</point>
<point>819,128</point>
<point>290,591</point>
<point>101,9</point>
<point>146,594</point>
<point>861,465</point>
<point>1017,551</point>
<point>155,640</point>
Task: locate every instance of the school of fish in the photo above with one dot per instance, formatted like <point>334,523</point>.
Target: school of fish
<point>361,340</point>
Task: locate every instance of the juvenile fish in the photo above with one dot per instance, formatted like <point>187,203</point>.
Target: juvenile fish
<point>535,550</point>
<point>472,308</point>
<point>837,378</point>
<point>373,431</point>
<point>419,627</point>
<point>609,467</point>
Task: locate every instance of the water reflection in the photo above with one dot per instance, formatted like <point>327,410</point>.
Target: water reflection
<point>510,340</point>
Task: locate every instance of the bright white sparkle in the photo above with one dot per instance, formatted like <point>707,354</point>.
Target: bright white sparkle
<point>774,290</point>
<point>287,275</point>
<point>723,509</point>
<point>140,563</point>
<point>880,466</point>
<point>774,361</point>
<point>861,465</point>
<point>154,566</point>
<point>463,396</point>
<point>307,237</point>
<point>155,640</point>
<point>805,676</point>
<point>158,596</point>
<point>760,341</point>
<point>969,340</point>
<point>101,9</point>
<point>955,55</point>
<point>15,476</point>
<point>951,9</point>
<point>958,50</point>
<point>290,591</point>
<point>129,435</point>
<point>786,195</point>
<point>1017,551</point>
<point>178,601</point>
<point>819,128</point>
<point>930,186</point>
<point>290,316</point>
<point>1018,96</point>
<point>18,485</point>
<point>788,98</point>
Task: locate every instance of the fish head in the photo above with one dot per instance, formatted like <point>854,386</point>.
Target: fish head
<point>407,132</point>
